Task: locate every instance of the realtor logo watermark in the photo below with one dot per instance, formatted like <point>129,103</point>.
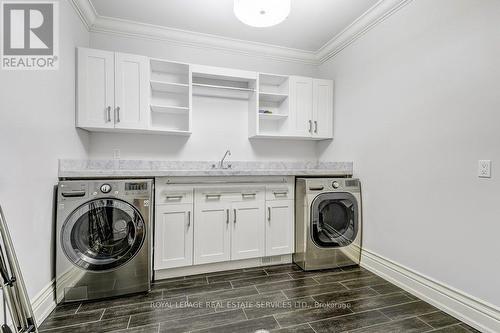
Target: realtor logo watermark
<point>30,35</point>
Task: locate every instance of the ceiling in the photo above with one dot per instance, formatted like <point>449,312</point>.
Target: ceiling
<point>311,24</point>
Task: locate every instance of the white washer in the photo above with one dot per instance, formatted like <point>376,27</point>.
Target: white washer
<point>103,241</point>
<point>328,224</point>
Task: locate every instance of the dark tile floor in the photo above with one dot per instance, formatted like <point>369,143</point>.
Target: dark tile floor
<point>275,298</point>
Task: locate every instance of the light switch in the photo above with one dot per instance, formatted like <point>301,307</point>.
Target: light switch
<point>484,169</point>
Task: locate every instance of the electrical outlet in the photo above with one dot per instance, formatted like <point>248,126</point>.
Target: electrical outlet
<point>116,154</point>
<point>484,169</point>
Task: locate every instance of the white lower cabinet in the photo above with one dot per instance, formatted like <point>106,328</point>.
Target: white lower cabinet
<point>279,227</point>
<point>229,226</point>
<point>198,225</point>
<point>248,234</point>
<point>173,236</point>
<point>212,233</point>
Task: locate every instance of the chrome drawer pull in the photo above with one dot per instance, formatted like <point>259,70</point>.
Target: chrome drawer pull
<point>234,210</point>
<point>227,216</point>
<point>213,196</point>
<point>248,195</point>
<point>174,197</point>
<point>283,194</point>
<point>269,214</point>
<point>189,218</point>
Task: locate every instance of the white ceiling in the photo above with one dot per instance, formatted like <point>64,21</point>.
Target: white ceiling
<point>311,23</point>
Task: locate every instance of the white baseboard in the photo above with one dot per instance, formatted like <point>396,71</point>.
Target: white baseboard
<point>471,310</point>
<point>44,302</point>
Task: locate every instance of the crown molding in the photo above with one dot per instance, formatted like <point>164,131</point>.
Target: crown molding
<point>112,25</point>
<point>373,16</point>
<point>86,11</point>
<point>120,27</point>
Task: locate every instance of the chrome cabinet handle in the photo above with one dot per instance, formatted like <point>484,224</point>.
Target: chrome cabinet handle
<point>117,114</point>
<point>108,113</point>
<point>310,126</point>
<point>282,194</point>
<point>269,214</point>
<point>244,195</point>
<point>189,218</point>
<point>227,216</point>
<point>174,197</point>
<point>315,126</point>
<point>213,196</point>
<point>234,211</point>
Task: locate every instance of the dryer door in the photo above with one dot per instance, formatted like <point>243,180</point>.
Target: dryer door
<point>334,220</point>
<point>103,234</point>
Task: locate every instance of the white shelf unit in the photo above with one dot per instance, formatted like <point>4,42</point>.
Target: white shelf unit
<point>223,83</point>
<point>273,98</point>
<point>170,97</point>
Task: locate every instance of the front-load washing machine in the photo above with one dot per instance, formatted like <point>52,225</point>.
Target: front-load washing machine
<point>327,223</point>
<point>103,238</point>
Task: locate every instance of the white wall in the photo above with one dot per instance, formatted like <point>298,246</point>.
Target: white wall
<point>37,110</point>
<point>417,104</point>
<point>218,124</point>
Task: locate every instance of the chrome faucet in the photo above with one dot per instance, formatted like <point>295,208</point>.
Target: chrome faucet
<point>221,163</point>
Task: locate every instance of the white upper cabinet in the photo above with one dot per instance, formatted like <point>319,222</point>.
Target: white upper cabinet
<point>119,92</point>
<point>322,111</point>
<point>112,90</point>
<point>131,91</point>
<point>96,89</point>
<point>295,107</point>
<point>301,92</point>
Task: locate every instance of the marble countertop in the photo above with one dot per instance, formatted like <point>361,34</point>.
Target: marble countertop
<point>69,168</point>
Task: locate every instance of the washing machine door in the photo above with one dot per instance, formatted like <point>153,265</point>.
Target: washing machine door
<point>334,220</point>
<point>103,234</point>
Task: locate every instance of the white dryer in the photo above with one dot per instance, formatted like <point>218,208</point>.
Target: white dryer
<point>327,223</point>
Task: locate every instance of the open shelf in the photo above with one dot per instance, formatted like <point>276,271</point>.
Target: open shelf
<point>273,84</point>
<point>272,97</point>
<point>272,116</point>
<point>170,109</point>
<point>170,97</point>
<point>221,87</point>
<point>213,82</point>
<point>177,88</point>
<point>166,71</point>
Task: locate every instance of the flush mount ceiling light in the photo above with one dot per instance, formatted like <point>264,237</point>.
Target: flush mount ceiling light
<point>262,13</point>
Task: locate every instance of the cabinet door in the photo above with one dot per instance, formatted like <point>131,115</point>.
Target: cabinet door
<point>248,234</point>
<point>279,227</point>
<point>301,103</point>
<point>95,88</point>
<point>173,236</point>
<point>131,91</point>
<point>323,108</point>
<point>211,230</point>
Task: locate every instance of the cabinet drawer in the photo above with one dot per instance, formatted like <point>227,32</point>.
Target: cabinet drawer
<point>279,192</point>
<point>173,195</point>
<point>229,194</point>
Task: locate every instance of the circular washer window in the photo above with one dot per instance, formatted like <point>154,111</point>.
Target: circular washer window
<point>334,220</point>
<point>103,234</point>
